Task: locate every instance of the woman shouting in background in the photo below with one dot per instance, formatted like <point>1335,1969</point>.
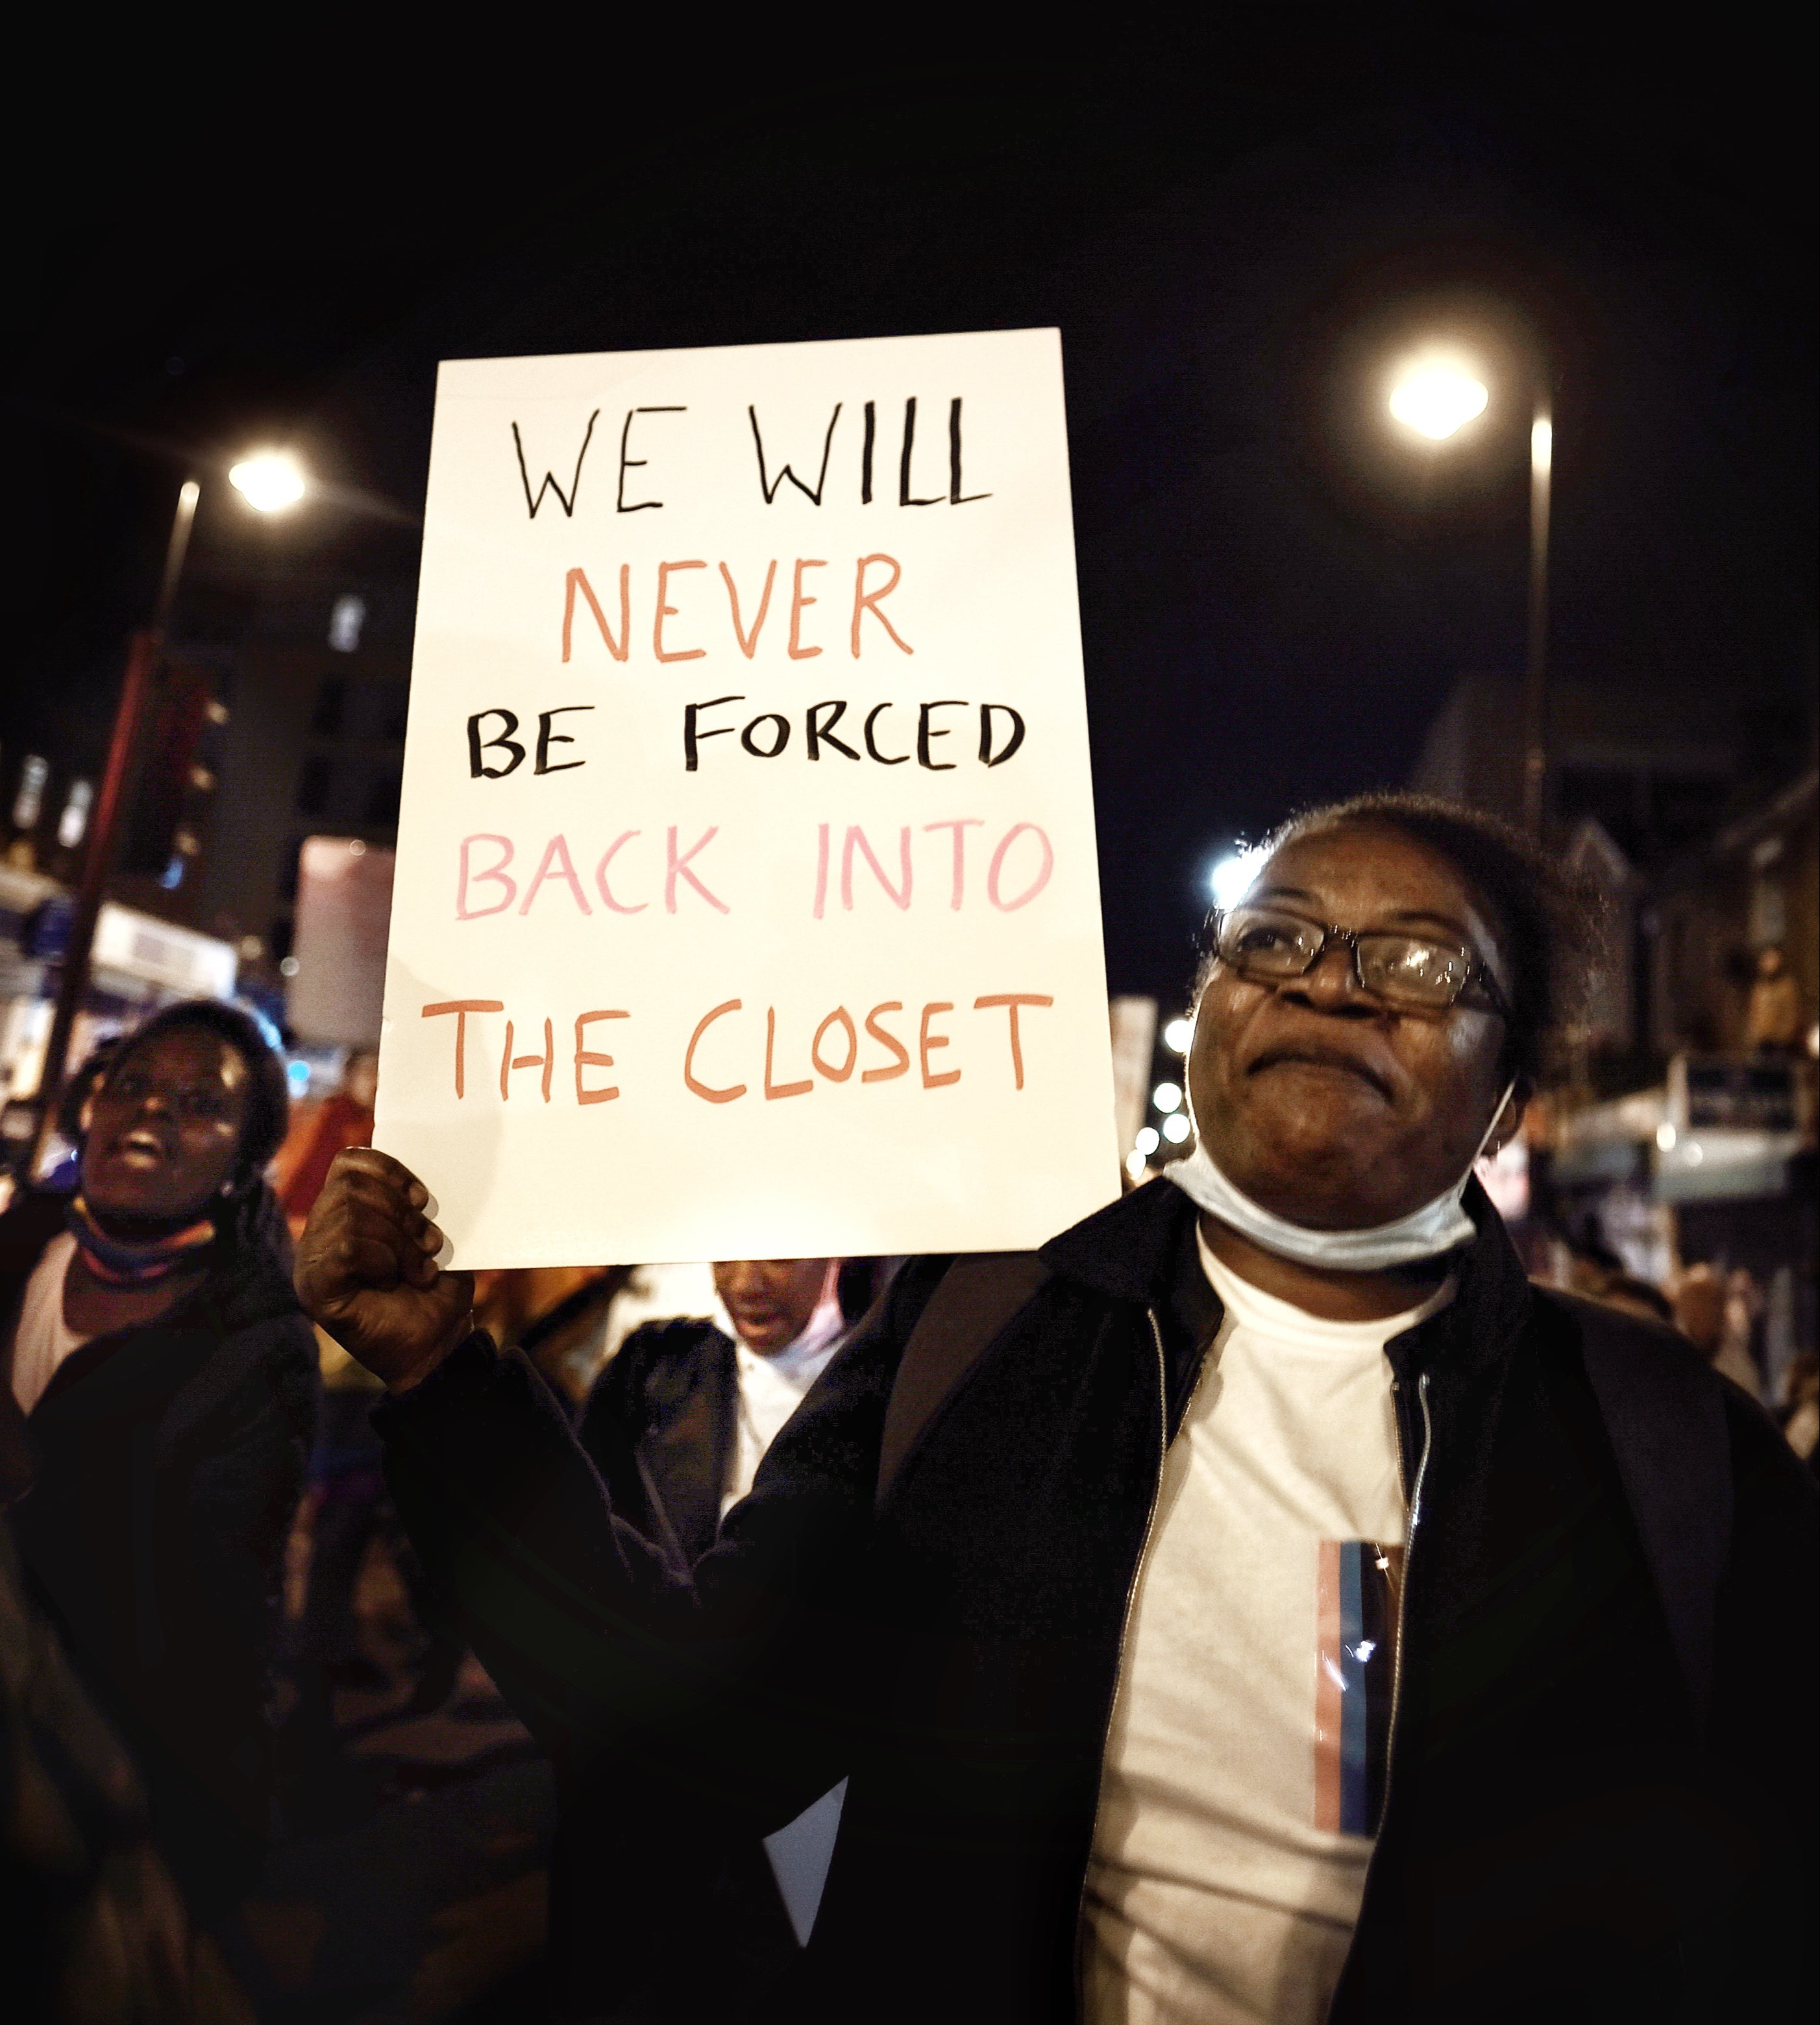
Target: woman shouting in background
<point>160,1392</point>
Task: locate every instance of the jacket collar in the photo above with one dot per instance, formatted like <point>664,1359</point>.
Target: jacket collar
<point>1133,1250</point>
<point>1128,1250</point>
<point>1474,1330</point>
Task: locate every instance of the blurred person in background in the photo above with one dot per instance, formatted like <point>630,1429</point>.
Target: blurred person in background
<point>343,1118</point>
<point>1635,1296</point>
<point>1773,1012</point>
<point>677,1422</point>
<point>1699,1304</point>
<point>1716,1316</point>
<point>1739,1354</point>
<point>1802,1424</point>
<point>161,1391</point>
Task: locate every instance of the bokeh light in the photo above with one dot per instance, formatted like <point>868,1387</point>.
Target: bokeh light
<point>1436,398</point>
<point>271,480</point>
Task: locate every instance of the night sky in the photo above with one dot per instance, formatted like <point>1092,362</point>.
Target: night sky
<point>1276,595</point>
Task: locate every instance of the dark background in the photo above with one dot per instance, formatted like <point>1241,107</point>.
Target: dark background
<point>1276,595</point>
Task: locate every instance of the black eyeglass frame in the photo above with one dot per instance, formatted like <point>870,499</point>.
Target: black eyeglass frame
<point>1477,971</point>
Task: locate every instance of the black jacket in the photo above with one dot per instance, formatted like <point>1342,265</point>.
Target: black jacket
<point>692,1925</point>
<point>661,1423</point>
<point>166,1464</point>
<point>1602,1790</point>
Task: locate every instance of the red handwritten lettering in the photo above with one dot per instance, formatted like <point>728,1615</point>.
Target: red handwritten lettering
<point>462,1008</point>
<point>593,1059</point>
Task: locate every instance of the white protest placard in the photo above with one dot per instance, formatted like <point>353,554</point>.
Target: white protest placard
<point>746,901</point>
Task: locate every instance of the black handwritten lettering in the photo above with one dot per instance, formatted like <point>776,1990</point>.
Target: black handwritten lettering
<point>766,735</point>
<point>567,499</point>
<point>692,737</point>
<point>903,468</point>
<point>988,757</point>
<point>817,734</point>
<point>768,486</point>
<point>637,463</point>
<point>883,759</point>
<point>546,738</point>
<point>925,732</point>
<point>504,742</point>
<point>956,496</point>
<point>780,735</point>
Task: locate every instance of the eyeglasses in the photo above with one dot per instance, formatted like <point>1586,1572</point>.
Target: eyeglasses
<point>1269,947</point>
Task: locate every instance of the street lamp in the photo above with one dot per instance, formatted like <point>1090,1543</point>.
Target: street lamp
<point>1437,399</point>
<point>1437,396</point>
<point>1230,879</point>
<point>268,480</point>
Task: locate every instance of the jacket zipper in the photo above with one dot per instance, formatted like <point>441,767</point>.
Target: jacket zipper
<point>1403,1591</point>
<point>1125,1633</point>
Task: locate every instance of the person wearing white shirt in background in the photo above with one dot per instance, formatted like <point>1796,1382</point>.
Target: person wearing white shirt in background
<point>779,1350</point>
<point>683,1415</point>
<point>677,1424</point>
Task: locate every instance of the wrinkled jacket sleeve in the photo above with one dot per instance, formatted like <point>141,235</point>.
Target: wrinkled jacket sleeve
<point>740,1681</point>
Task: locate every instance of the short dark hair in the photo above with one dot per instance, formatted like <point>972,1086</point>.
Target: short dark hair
<point>1547,927</point>
<point>268,1110</point>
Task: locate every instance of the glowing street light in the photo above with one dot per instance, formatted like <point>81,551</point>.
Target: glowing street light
<point>1437,399</point>
<point>1232,876</point>
<point>1437,396</point>
<point>270,479</point>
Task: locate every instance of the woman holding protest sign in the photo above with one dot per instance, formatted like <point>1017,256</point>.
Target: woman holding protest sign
<point>1261,1604</point>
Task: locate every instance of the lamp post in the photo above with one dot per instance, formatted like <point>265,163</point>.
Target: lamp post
<point>1535,674</point>
<point>269,481</point>
<point>1437,398</point>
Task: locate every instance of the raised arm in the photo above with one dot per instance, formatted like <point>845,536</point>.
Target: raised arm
<point>738,1683</point>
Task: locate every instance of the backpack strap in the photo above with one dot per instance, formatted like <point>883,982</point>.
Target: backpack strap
<point>977,1296</point>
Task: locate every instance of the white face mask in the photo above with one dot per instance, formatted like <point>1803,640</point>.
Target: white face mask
<point>1437,1226</point>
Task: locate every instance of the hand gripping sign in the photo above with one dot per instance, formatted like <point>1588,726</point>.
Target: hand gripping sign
<point>746,901</point>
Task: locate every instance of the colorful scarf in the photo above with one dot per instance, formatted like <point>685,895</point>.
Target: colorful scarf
<point>143,1262</point>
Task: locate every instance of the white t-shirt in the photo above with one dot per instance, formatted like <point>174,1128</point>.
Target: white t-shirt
<point>771,1388</point>
<point>43,1338</point>
<point>1244,1764</point>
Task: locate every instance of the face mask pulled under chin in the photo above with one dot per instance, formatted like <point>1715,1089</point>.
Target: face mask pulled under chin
<point>1439,1226</point>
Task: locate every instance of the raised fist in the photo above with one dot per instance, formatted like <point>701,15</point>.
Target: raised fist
<point>367,1271</point>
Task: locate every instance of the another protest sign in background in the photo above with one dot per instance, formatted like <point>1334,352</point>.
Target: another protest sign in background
<point>746,900</point>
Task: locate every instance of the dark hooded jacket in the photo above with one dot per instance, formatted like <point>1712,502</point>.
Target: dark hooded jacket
<point>1601,1796</point>
<point>162,1469</point>
<point>661,1423</point>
